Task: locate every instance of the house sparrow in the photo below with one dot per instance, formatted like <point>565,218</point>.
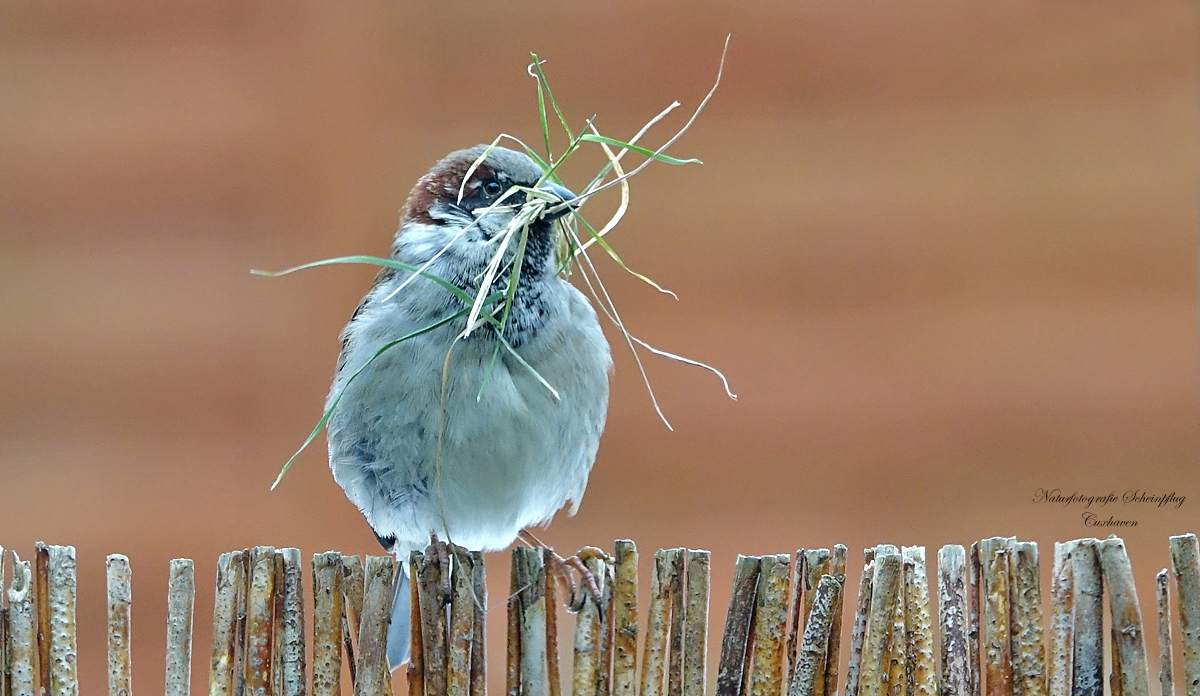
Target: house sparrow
<point>424,451</point>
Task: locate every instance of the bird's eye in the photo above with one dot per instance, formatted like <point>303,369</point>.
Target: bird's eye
<point>492,188</point>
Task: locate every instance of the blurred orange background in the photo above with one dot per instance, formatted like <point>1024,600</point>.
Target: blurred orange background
<point>946,253</point>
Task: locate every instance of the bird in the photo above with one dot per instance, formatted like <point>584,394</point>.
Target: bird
<point>469,436</point>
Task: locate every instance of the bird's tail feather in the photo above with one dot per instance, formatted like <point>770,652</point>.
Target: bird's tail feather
<point>400,631</point>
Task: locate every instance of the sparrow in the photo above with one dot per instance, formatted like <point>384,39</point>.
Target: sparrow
<point>417,440</point>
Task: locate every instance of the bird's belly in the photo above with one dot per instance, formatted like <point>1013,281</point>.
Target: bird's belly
<point>473,465</point>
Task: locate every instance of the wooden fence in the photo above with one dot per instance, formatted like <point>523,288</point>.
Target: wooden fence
<point>782,634</point>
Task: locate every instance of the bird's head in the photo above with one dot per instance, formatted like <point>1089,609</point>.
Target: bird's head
<point>464,202</point>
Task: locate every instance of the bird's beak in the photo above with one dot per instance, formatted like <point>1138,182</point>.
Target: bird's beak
<point>564,194</point>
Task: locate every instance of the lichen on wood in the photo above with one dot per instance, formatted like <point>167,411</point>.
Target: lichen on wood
<point>953,618</point>
<point>770,626</point>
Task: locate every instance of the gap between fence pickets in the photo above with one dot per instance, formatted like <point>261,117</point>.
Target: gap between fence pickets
<point>781,634</point>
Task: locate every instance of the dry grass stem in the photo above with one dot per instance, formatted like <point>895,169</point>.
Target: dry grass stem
<point>1028,646</point>
<point>770,626</point>
<point>327,624</point>
<point>809,674</point>
<point>952,614</point>
<point>373,675</point>
<point>696,623</point>
<point>293,655</point>
<point>654,653</point>
<point>919,661</point>
<point>625,619</point>
<point>259,610</point>
<point>1088,628</point>
<point>1062,625</point>
<point>120,597</point>
<point>479,625</point>
<point>63,650</point>
<point>22,630</point>
<point>181,598</point>
<point>1129,639</point>
<point>731,668</point>
<point>1185,559</point>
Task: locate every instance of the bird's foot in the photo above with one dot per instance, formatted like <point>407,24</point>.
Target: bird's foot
<point>563,567</point>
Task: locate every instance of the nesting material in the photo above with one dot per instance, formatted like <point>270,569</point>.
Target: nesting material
<point>120,599</point>
<point>953,619</point>
<point>181,597</point>
<point>735,641</point>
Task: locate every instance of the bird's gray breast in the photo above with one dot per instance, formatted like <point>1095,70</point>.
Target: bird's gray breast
<point>421,444</point>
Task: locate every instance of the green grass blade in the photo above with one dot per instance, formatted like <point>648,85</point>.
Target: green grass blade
<point>373,261</point>
<point>542,76</point>
<point>329,411</point>
<point>591,137</point>
<point>536,375</point>
<point>542,113</point>
<point>613,253</point>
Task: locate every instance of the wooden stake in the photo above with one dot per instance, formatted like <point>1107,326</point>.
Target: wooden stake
<point>260,606</point>
<point>1088,630</point>
<point>373,675</point>
<point>432,604</point>
<point>327,624</point>
<point>1129,639</point>
<point>551,613</point>
<point>1185,559</point>
<point>696,624</point>
<point>479,602</point>
<point>353,583</point>
<point>1062,624</point>
<point>654,654</point>
<point>22,630</point>
<point>120,597</point>
<point>885,596</point>
<point>920,669</point>
<point>1028,648</point>
<point>809,675</point>
<point>731,669</point>
<point>294,667</point>
<point>833,657</point>
<point>676,569</point>
<point>181,597</point>
<point>798,611</point>
<point>625,626</point>
<point>770,626</point>
<point>952,603</point>
<point>462,625</point>
<point>1166,675</point>
<point>513,644</point>
<point>994,556</point>
<point>64,678</point>
<point>41,569</point>
<point>608,621</point>
<point>586,670</point>
<point>861,611</point>
<point>974,634</point>
<point>532,581</point>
